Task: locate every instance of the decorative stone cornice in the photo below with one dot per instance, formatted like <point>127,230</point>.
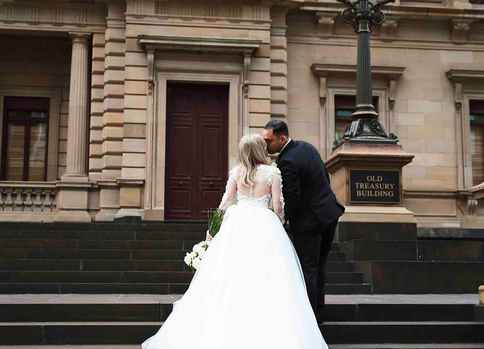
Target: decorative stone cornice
<point>326,22</point>
<point>459,29</point>
<point>201,10</point>
<point>325,71</point>
<point>39,12</point>
<point>460,77</point>
<point>405,11</point>
<point>389,28</point>
<point>463,75</point>
<point>243,46</point>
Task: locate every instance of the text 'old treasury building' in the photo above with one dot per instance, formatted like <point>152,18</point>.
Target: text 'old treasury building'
<point>115,108</point>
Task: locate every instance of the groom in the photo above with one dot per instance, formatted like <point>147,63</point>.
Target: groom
<point>310,205</point>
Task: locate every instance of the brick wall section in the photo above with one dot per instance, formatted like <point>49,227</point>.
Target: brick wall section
<point>97,108</point>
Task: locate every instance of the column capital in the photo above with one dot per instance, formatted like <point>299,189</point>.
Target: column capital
<point>81,37</point>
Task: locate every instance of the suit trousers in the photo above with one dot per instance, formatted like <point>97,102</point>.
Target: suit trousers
<point>313,248</point>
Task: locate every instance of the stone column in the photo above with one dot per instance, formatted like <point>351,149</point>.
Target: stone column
<point>78,100</point>
<point>72,199</point>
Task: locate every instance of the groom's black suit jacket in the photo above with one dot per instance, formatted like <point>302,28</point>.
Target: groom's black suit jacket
<point>309,200</point>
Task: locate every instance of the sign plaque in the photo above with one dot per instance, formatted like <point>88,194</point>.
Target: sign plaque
<point>375,186</point>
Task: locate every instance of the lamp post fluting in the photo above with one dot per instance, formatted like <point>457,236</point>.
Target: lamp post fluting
<point>365,127</point>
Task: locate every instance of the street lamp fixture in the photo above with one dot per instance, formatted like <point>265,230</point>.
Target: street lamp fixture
<point>363,15</point>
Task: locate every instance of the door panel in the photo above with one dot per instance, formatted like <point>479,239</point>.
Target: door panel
<point>197,149</point>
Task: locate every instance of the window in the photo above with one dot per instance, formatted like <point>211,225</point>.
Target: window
<point>344,106</point>
<point>25,133</point>
<point>476,117</point>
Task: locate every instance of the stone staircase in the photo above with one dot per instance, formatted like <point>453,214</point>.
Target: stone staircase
<point>112,285</point>
<point>352,321</point>
<point>118,258</point>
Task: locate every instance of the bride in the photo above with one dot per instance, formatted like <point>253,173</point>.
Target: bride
<point>249,290</point>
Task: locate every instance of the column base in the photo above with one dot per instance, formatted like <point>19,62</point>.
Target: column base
<point>73,216</point>
<point>72,199</point>
<point>154,215</point>
<point>378,214</point>
<point>105,215</point>
<point>129,214</point>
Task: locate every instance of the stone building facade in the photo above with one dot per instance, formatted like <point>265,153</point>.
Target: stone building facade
<point>115,108</point>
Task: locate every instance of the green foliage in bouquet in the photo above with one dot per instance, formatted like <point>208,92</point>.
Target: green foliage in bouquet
<point>215,218</point>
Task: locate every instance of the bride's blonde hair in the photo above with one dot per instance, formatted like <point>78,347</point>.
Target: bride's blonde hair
<point>252,152</point>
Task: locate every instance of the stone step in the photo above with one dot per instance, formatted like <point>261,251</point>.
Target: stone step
<point>91,288</point>
<point>112,308</point>
<point>98,244</point>
<point>348,288</point>
<point>100,253</point>
<point>407,346</point>
<point>75,253</point>
<point>31,333</point>
<point>120,265</point>
<point>138,287</point>
<point>362,250</point>
<point>96,276</point>
<point>93,264</point>
<point>399,312</point>
<point>421,250</point>
<point>130,277</point>
<point>451,249</point>
<point>103,231</point>
<point>423,277</point>
<point>403,332</point>
<point>331,346</point>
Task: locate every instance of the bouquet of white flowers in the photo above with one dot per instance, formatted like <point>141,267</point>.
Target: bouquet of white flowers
<point>194,258</point>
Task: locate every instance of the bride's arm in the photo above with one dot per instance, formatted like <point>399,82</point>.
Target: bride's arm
<point>230,191</point>
<point>277,197</point>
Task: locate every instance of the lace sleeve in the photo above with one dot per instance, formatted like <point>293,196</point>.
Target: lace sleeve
<point>230,190</point>
<point>276,190</point>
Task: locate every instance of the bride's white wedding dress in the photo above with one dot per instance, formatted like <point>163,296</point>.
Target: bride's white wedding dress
<point>249,290</point>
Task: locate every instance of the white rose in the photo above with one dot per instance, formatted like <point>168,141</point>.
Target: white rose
<point>198,248</point>
<point>196,263</point>
<point>187,260</point>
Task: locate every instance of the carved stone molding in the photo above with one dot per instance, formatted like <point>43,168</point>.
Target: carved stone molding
<point>459,77</point>
<point>201,9</point>
<point>243,46</point>
<point>279,21</point>
<point>390,74</point>
<point>36,12</point>
<point>325,22</point>
<point>389,28</point>
<point>459,29</point>
<point>151,70</point>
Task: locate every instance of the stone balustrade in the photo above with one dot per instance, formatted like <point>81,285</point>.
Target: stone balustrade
<point>27,197</point>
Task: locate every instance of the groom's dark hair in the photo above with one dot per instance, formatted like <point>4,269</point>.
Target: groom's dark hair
<point>278,127</point>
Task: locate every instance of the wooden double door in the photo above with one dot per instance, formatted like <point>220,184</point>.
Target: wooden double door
<point>196,149</point>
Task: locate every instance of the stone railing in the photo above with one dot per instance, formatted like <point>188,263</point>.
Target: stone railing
<point>27,197</point>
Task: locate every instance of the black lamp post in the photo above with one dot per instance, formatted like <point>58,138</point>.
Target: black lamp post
<point>365,127</point>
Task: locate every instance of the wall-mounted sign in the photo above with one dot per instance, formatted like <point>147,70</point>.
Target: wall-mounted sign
<point>375,186</point>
